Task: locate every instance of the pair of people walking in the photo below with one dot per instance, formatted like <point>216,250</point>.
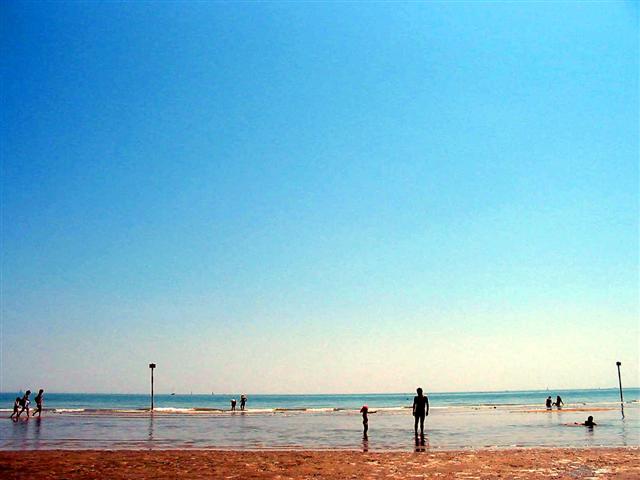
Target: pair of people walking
<point>22,404</point>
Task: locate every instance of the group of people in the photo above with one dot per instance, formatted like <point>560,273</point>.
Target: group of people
<point>243,403</point>
<point>550,403</point>
<point>420,410</point>
<point>22,404</point>
<point>559,403</point>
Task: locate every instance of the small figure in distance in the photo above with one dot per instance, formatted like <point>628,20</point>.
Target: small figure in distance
<point>233,404</point>
<point>16,407</point>
<point>243,401</point>
<point>38,400</point>
<point>558,403</point>
<point>420,411</point>
<point>549,402</point>
<point>24,404</point>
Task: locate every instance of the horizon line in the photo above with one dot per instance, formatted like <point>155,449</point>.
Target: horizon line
<point>333,393</point>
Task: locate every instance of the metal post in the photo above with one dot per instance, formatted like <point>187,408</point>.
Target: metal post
<point>620,384</point>
<point>152,366</point>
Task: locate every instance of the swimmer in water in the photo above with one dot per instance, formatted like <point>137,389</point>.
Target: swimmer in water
<point>587,423</point>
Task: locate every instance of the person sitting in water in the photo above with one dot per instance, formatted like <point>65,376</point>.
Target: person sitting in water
<point>16,407</point>
<point>38,400</point>
<point>589,422</point>
<point>549,402</point>
<point>558,403</point>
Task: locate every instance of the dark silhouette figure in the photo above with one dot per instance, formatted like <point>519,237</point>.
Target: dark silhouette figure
<point>38,400</point>
<point>558,403</point>
<point>549,402</point>
<point>233,404</point>
<point>365,420</point>
<point>420,410</point>
<point>243,401</point>
<point>16,408</point>
<point>589,422</point>
<point>24,403</point>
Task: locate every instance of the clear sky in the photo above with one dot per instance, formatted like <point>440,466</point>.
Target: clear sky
<point>308,197</point>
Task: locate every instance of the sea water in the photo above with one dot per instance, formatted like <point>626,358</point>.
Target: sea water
<point>456,420</point>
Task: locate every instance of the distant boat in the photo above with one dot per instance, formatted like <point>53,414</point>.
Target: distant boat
<point>172,393</point>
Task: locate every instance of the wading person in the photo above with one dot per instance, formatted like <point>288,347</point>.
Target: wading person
<point>38,400</point>
<point>420,411</point>
<point>24,403</point>
<point>16,409</point>
<point>365,420</point>
<point>558,403</point>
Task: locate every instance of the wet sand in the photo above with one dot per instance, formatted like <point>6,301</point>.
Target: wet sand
<point>179,464</point>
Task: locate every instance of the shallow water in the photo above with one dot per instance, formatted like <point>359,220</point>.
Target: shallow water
<point>388,430</point>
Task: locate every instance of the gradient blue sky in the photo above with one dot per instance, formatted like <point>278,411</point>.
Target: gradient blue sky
<point>283,197</point>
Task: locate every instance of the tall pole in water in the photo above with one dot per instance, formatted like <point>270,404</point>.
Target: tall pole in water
<point>152,366</point>
<point>620,384</point>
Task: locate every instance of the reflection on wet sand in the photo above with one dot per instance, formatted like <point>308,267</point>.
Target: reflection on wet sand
<point>421,444</point>
<point>151,427</point>
<point>365,443</point>
<point>36,432</point>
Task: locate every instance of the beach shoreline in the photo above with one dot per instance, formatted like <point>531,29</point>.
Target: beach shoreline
<point>589,462</point>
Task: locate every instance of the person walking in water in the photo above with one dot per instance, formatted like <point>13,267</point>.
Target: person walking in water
<point>16,409</point>
<point>233,404</point>
<point>243,401</point>
<point>24,403</point>
<point>549,402</point>
<point>559,402</point>
<point>420,411</point>
<point>38,400</point>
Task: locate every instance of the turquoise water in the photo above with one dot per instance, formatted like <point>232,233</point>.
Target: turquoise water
<point>457,421</point>
<point>350,401</point>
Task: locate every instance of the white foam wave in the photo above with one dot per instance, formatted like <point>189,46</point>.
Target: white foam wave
<point>174,410</point>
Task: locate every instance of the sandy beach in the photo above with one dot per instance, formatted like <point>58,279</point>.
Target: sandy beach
<point>170,464</point>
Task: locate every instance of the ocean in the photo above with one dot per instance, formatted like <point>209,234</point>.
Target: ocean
<point>456,421</point>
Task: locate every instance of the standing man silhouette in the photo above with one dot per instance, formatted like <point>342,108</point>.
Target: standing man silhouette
<point>420,410</point>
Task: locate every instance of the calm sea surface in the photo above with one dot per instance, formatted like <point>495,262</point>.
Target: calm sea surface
<point>457,420</point>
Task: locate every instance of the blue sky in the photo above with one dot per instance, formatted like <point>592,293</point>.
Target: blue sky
<point>337,197</point>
